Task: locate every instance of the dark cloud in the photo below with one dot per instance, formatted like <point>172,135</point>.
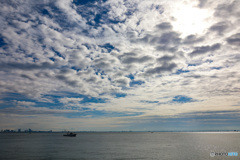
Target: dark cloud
<point>165,59</point>
<point>167,48</point>
<point>145,39</point>
<point>149,101</point>
<point>204,49</point>
<point>166,67</point>
<point>72,83</point>
<point>132,34</point>
<point>192,39</point>
<point>168,38</point>
<point>202,3</point>
<point>104,63</point>
<point>196,76</point>
<point>66,71</point>
<point>234,39</point>
<point>33,111</point>
<point>26,66</point>
<point>43,74</point>
<point>127,55</point>
<point>219,27</point>
<point>122,81</point>
<point>91,79</point>
<point>67,76</point>
<point>27,77</point>
<point>228,10</point>
<point>129,58</point>
<point>164,26</point>
<point>168,41</point>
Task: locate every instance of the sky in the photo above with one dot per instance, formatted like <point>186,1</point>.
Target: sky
<point>120,65</point>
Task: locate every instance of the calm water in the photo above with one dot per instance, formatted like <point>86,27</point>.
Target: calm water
<point>118,146</point>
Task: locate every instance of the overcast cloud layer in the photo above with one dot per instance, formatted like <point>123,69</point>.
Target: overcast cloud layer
<point>119,65</point>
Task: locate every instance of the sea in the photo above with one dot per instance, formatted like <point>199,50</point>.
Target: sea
<point>121,146</point>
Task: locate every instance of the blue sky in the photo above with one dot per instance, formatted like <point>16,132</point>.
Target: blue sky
<point>117,65</point>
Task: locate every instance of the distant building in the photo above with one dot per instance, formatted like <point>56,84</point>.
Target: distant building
<point>19,130</point>
<point>6,130</point>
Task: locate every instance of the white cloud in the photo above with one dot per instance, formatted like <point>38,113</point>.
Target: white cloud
<point>70,100</point>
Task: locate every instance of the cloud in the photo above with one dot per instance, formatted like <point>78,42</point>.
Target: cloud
<point>33,111</point>
<point>191,39</point>
<point>163,39</point>
<point>150,101</point>
<point>220,27</point>
<point>234,39</point>
<point>24,103</point>
<point>27,66</point>
<point>130,60</point>
<point>166,48</point>
<point>122,81</point>
<point>164,26</point>
<point>166,38</point>
<point>165,59</point>
<point>166,67</point>
<point>202,3</point>
<point>69,78</point>
<point>227,9</point>
<point>205,49</point>
<point>70,100</point>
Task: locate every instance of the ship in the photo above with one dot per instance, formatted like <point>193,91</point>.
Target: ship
<point>70,134</point>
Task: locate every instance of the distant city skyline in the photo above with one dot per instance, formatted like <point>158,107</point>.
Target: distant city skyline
<point>19,130</point>
<point>116,65</point>
<point>62,131</point>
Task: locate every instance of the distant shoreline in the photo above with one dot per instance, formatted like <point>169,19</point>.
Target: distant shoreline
<point>206,131</point>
